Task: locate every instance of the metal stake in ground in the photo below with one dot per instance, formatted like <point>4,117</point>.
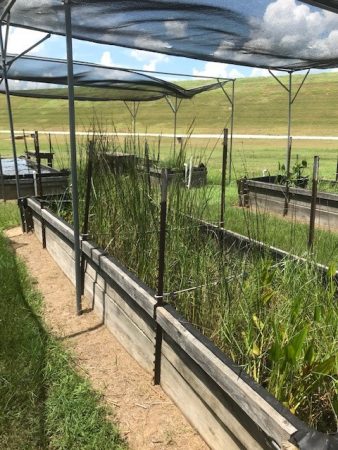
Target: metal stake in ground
<point>72,138</point>
<point>313,202</point>
<point>161,270</point>
<point>224,170</point>
<point>85,228</point>
<point>40,193</point>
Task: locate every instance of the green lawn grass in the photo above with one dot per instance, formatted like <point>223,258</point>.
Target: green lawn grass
<point>44,403</point>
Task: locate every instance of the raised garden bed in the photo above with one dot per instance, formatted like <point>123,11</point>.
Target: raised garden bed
<point>269,194</point>
<point>226,406</point>
<point>120,162</point>
<point>52,181</point>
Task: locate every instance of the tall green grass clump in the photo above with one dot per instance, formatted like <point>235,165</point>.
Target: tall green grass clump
<point>278,321</point>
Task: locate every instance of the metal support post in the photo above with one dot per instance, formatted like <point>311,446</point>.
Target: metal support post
<point>231,100</point>
<point>174,107</point>
<point>50,159</point>
<point>291,100</point>
<point>337,170</point>
<point>146,151</point>
<point>224,170</point>
<point>315,178</point>
<point>288,148</point>
<point>72,138</point>
<point>9,110</point>
<point>231,128</point>
<point>161,270</point>
<point>133,111</point>
<point>2,181</point>
<point>85,228</point>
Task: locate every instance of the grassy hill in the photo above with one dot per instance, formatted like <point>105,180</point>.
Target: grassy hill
<point>261,107</point>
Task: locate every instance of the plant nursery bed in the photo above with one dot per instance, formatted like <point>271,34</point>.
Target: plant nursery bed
<point>268,194</point>
<point>225,405</point>
<point>52,181</point>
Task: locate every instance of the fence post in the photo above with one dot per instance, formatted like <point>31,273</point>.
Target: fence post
<point>313,202</point>
<point>224,171</point>
<point>85,228</point>
<point>161,270</point>
<point>337,170</point>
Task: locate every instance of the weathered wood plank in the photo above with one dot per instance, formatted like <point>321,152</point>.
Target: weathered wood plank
<point>195,411</point>
<point>129,335</point>
<point>234,422</point>
<point>272,422</point>
<point>136,314</point>
<point>121,277</point>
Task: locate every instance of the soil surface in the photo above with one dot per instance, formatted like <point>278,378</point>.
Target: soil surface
<point>146,417</point>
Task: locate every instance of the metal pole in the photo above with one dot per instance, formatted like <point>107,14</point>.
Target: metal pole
<point>146,150</point>
<point>288,149</point>
<point>38,160</point>
<point>224,170</point>
<point>85,228</point>
<point>337,170</point>
<point>175,125</point>
<point>72,138</point>
<point>313,202</point>
<point>50,159</point>
<point>231,128</point>
<point>2,181</point>
<point>10,113</point>
<point>161,270</point>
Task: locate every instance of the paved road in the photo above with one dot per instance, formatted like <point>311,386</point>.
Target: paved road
<point>193,136</point>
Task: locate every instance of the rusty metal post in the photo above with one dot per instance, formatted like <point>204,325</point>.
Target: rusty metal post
<point>85,228</point>
<point>224,171</point>
<point>50,159</point>
<point>313,202</point>
<point>146,151</point>
<point>161,270</point>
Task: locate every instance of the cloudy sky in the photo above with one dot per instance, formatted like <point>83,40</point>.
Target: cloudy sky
<point>309,29</point>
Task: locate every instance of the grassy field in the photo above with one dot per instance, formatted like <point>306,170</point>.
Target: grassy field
<point>44,403</point>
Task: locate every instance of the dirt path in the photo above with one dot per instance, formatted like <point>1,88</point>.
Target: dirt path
<point>146,416</point>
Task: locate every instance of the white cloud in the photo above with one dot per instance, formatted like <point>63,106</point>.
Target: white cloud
<point>215,69</point>
<point>149,60</point>
<point>106,59</point>
<point>21,39</point>
<point>257,72</point>
<point>291,28</point>
<point>286,28</point>
<point>176,28</point>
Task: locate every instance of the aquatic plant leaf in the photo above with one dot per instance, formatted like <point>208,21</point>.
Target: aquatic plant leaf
<point>326,367</point>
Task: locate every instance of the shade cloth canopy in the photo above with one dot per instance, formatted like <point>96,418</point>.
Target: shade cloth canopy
<point>94,82</point>
<point>278,34</point>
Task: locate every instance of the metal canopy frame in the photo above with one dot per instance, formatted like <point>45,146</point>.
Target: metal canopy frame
<point>291,99</point>
<point>174,106</point>
<point>5,20</point>
<point>133,111</point>
<point>231,99</point>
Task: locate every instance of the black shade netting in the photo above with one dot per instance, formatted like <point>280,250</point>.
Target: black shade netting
<point>93,82</point>
<point>278,34</point>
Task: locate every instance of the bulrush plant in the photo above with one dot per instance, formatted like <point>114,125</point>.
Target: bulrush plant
<point>276,320</point>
